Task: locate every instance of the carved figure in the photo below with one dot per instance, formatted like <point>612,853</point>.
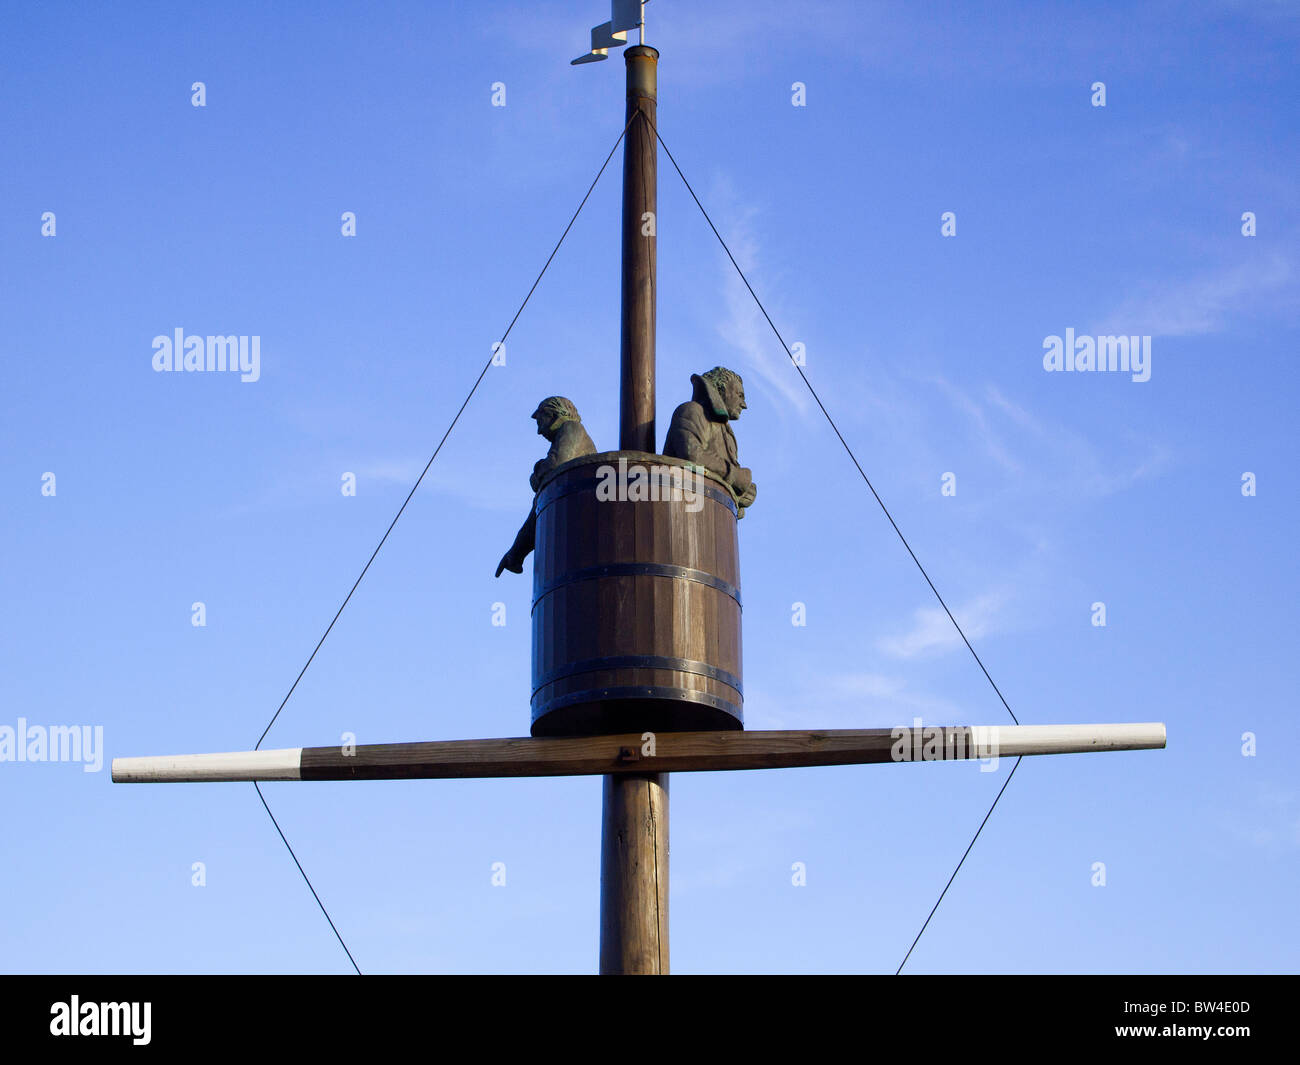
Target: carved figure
<point>699,432</point>
<point>559,422</point>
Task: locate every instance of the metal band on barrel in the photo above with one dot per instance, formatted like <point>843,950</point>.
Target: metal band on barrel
<point>638,692</point>
<point>558,489</point>
<point>679,665</point>
<point>636,569</point>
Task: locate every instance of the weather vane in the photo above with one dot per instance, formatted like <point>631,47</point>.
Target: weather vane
<point>625,15</point>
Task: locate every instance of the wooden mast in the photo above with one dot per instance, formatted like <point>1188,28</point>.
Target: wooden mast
<point>634,831</point>
<point>636,424</point>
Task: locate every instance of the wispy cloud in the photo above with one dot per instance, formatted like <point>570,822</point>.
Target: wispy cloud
<point>477,487</point>
<point>869,700</point>
<point>933,633</point>
<point>1064,461</point>
<point>1197,306</point>
<point>1272,822</point>
<point>989,435</point>
<point>389,471</point>
<point>856,699</point>
<point>744,326</point>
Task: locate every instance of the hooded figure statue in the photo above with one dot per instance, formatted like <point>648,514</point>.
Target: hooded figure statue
<point>699,432</point>
<point>559,422</point>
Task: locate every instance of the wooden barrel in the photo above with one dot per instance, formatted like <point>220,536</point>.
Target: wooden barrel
<point>636,599</point>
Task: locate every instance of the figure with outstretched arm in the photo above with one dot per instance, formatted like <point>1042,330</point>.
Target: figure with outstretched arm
<point>699,432</point>
<point>559,422</point>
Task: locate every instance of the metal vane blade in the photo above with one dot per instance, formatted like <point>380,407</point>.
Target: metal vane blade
<point>626,15</point>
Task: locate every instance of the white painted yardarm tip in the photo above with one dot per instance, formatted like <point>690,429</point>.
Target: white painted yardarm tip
<point>207,768</point>
<point>1012,740</point>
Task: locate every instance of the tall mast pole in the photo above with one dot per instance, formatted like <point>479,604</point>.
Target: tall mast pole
<point>636,428</point>
<point>634,831</point>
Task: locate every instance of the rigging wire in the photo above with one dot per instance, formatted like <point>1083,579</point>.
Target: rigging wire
<point>456,419</point>
<point>958,869</point>
<point>884,508</point>
<point>474,388</point>
<point>400,510</point>
<point>308,880</point>
<point>820,404</point>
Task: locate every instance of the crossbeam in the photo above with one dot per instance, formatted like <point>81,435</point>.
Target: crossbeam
<point>666,752</point>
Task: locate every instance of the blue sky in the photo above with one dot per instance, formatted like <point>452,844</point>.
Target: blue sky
<point>1071,488</point>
